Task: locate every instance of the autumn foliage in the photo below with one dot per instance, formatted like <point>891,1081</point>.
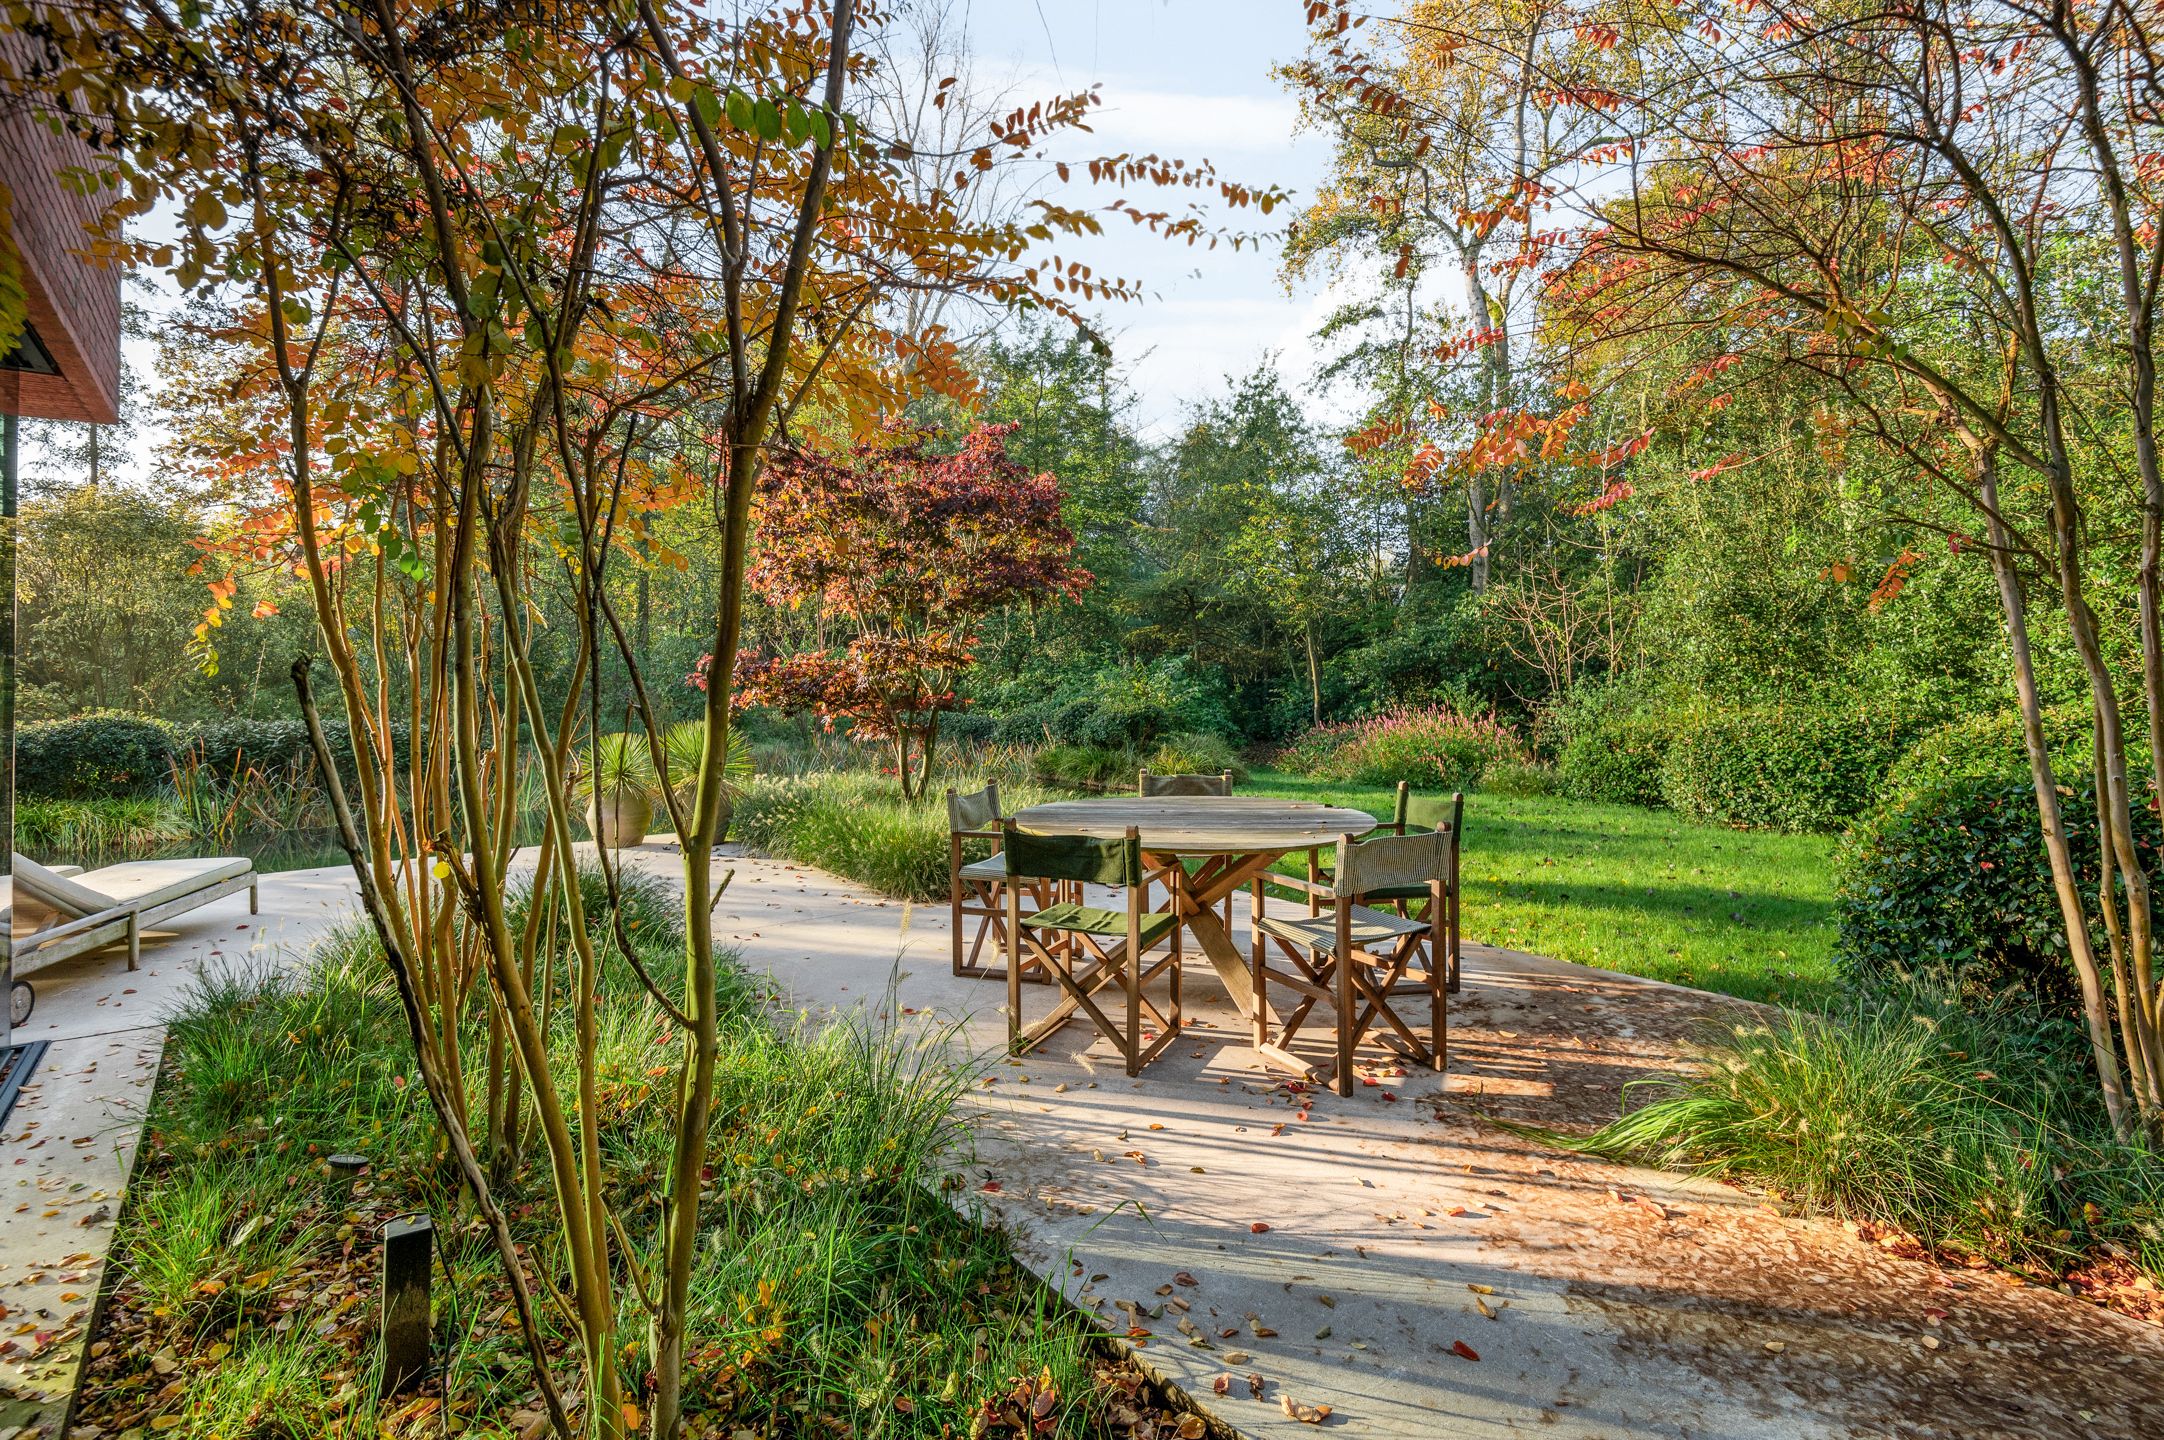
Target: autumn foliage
<point>896,550</point>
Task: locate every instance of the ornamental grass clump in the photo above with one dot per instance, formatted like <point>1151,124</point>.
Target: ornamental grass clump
<point>1428,747</point>
<point>1977,1131</point>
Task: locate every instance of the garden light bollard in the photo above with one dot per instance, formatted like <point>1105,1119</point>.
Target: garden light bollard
<point>346,1173</point>
<point>408,1246</point>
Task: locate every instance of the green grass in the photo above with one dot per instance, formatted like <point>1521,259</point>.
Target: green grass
<point>837,1291</point>
<point>1744,912</point>
<point>858,826</point>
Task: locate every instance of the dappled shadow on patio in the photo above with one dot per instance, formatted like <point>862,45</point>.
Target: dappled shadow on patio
<point>1356,1252</point>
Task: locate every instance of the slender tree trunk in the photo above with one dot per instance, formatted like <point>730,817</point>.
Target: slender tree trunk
<point>2096,1014</point>
<point>1314,675</point>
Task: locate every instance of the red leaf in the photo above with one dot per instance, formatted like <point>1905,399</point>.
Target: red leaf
<point>1463,1351</point>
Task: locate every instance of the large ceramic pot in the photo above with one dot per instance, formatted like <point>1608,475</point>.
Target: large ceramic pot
<point>618,818</point>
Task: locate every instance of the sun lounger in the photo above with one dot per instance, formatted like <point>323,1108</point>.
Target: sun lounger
<point>117,903</point>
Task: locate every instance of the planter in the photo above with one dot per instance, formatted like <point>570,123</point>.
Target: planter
<point>620,818</point>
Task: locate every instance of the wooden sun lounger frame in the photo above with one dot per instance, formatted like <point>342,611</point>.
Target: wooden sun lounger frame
<point>87,933</point>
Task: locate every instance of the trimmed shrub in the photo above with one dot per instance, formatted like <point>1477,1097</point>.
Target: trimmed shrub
<point>1430,748</point>
<point>1989,746</point>
<point>1785,768</point>
<point>104,752</point>
<point>1609,742</point>
<point>1524,778</point>
<point>241,742</point>
<point>1956,879</point>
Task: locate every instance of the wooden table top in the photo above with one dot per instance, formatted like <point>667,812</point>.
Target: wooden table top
<point>1201,824</point>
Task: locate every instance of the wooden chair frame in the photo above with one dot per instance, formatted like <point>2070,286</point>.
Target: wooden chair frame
<point>1150,786</point>
<point>1357,983</point>
<point>1084,964</point>
<point>978,816</point>
<point>1317,888</point>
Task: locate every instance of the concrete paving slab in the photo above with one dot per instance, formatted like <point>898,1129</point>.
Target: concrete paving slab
<point>67,1149</point>
<point>1363,1252</point>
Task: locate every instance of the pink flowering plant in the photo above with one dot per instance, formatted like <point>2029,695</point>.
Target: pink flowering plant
<point>1429,747</point>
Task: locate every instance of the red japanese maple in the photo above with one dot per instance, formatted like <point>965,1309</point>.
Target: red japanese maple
<point>905,548</point>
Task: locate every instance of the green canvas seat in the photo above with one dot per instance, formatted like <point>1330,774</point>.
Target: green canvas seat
<point>994,868</point>
<point>1089,920</point>
<point>1369,927</point>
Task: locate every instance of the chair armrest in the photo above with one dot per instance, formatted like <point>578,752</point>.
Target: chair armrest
<point>977,834</point>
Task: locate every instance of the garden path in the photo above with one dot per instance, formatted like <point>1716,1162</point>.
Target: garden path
<point>1375,1235</point>
<point>1625,1303</point>
<point>67,1149</point>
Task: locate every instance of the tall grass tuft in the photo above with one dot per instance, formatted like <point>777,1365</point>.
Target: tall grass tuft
<point>1973,1130</point>
<point>858,826</point>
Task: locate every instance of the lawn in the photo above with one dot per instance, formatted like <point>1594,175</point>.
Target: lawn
<point>1744,912</point>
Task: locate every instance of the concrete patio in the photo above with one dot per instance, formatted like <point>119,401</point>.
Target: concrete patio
<point>1206,1205</point>
<point>1394,1256</point>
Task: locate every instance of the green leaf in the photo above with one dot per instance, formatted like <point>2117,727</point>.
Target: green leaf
<point>708,104</point>
<point>766,119</point>
<point>821,130</point>
<point>741,110</point>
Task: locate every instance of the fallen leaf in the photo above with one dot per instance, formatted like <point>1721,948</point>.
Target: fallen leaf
<point>1222,1385</point>
<point>1463,1351</point>
<point>1192,1428</point>
<point>1258,1227</point>
<point>1305,1414</point>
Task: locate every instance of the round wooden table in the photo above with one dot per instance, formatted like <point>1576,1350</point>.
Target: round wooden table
<point>1242,836</point>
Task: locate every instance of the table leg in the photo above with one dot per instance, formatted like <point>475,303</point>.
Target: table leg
<point>1195,900</point>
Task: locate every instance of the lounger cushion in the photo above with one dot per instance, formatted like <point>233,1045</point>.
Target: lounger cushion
<point>147,884</point>
<point>55,891</point>
<point>144,884</point>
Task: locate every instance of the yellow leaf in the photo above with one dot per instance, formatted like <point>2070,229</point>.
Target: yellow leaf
<point>166,1422</point>
<point>632,1418</point>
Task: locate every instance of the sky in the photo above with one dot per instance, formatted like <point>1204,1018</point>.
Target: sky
<point>1186,79</point>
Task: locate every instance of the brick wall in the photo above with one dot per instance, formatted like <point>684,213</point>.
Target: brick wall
<point>74,303</point>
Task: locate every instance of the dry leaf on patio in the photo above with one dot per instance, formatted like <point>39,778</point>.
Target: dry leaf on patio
<point>1255,1383</point>
<point>1181,1277</point>
<point>1463,1351</point>
<point>1222,1385</point>
<point>1192,1428</point>
<point>1305,1414</point>
<point>1258,1227</point>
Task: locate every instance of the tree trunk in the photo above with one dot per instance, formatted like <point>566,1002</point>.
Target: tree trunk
<point>2096,1015</point>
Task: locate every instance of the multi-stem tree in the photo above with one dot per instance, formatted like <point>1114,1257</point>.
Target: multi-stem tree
<point>489,287</point>
<point>1944,221</point>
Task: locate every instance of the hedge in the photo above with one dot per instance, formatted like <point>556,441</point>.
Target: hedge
<point>104,752</point>
<point>1958,879</point>
<point>115,752</point>
<point>1794,767</point>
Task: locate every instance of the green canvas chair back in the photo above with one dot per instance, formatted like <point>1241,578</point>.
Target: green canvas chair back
<point>978,810</point>
<point>1364,866</point>
<point>1185,784</point>
<point>1432,812</point>
<point>1073,857</point>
